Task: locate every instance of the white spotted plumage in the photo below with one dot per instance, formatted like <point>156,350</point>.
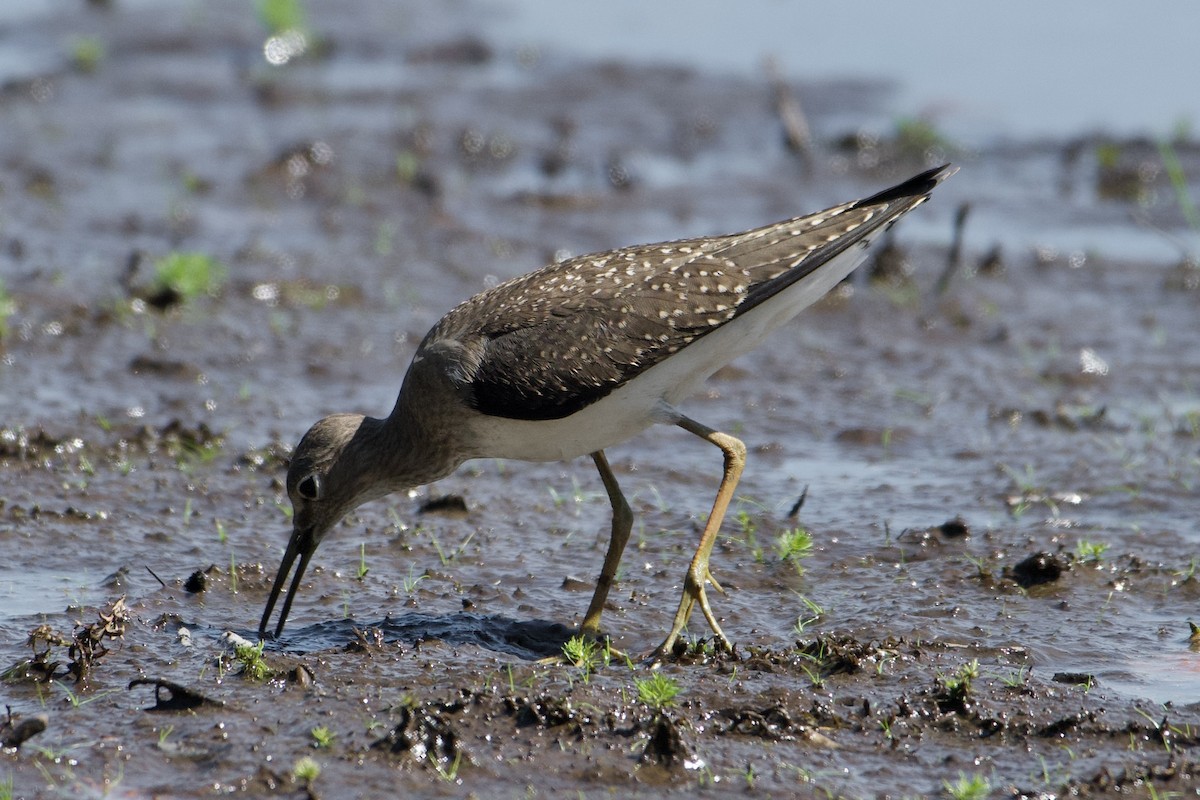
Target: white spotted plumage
<point>607,343</point>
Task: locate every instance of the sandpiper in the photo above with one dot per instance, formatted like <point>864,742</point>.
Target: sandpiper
<point>579,356</point>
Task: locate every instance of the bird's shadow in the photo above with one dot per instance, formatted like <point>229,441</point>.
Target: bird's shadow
<point>526,639</point>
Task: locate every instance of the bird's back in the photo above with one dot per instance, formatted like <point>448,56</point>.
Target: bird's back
<point>548,344</point>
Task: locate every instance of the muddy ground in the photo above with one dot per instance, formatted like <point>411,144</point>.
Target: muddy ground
<point>999,460</point>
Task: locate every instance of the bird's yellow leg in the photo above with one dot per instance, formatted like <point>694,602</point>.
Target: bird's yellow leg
<point>698,571</point>
<point>622,524</point>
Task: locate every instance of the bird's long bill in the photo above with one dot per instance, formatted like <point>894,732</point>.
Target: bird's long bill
<point>302,544</point>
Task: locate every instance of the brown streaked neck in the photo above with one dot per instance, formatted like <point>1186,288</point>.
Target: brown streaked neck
<point>419,441</point>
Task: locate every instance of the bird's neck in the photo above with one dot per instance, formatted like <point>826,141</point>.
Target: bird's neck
<point>415,446</point>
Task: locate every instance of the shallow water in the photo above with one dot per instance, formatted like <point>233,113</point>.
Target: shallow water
<point>1049,402</point>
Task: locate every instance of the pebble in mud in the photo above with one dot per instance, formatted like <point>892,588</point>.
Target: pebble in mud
<point>15,731</point>
<point>1038,569</point>
<point>196,582</point>
<point>665,746</point>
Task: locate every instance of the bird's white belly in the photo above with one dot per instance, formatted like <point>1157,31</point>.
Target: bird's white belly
<point>650,397</point>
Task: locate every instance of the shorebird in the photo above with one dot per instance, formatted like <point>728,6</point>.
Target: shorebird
<point>577,357</point>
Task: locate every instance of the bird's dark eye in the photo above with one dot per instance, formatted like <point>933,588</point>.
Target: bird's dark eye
<point>310,487</point>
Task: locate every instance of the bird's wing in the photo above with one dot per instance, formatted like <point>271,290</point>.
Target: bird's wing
<point>547,344</point>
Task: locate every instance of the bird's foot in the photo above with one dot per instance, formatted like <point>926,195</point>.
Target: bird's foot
<point>693,595</point>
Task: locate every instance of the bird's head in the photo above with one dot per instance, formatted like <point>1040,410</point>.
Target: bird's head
<point>329,477</point>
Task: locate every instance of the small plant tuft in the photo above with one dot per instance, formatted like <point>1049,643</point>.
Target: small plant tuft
<point>306,770</point>
<point>957,687</point>
<point>322,736</point>
<point>968,787</point>
<point>814,614</point>
<point>410,581</point>
<point>585,653</point>
<point>87,52</point>
<point>658,691</point>
<point>281,16</point>
<point>254,666</point>
<point>1016,678</point>
<point>1086,550</point>
<point>793,546</point>
<point>184,277</point>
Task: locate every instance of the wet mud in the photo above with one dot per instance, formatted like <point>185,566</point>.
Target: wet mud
<point>991,437</point>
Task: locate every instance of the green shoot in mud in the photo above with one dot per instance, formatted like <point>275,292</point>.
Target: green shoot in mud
<point>1016,678</point>
<point>747,525</point>
<point>448,558</point>
<point>322,736</point>
<point>983,567</point>
<point>1154,794</point>
<point>222,534</point>
<point>886,726</point>
<point>8,307</point>
<point>87,52</point>
<point>966,674</point>
<point>193,183</point>
<point>658,691</point>
<point>919,138</point>
<point>1174,169</point>
<point>660,502</point>
<point>793,546</point>
<point>1089,551</point>
<point>254,666</point>
<point>164,734</point>
<point>1025,481</point>
<point>746,522</point>
<point>1052,776</point>
<point>363,569</point>
<point>76,701</point>
<point>706,779</point>
<point>814,614</point>
<point>1189,424</point>
<point>6,787</point>
<point>409,582</point>
<point>233,573</point>
<point>408,166</point>
<point>585,654</point>
<point>1165,731</point>
<point>1017,510</point>
<point>306,770</point>
<point>958,685</point>
<point>968,787</point>
<point>577,495</point>
<point>188,275</point>
<point>814,676</point>
<point>447,773</point>
<point>385,238</point>
<point>191,455</point>
<point>281,16</point>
